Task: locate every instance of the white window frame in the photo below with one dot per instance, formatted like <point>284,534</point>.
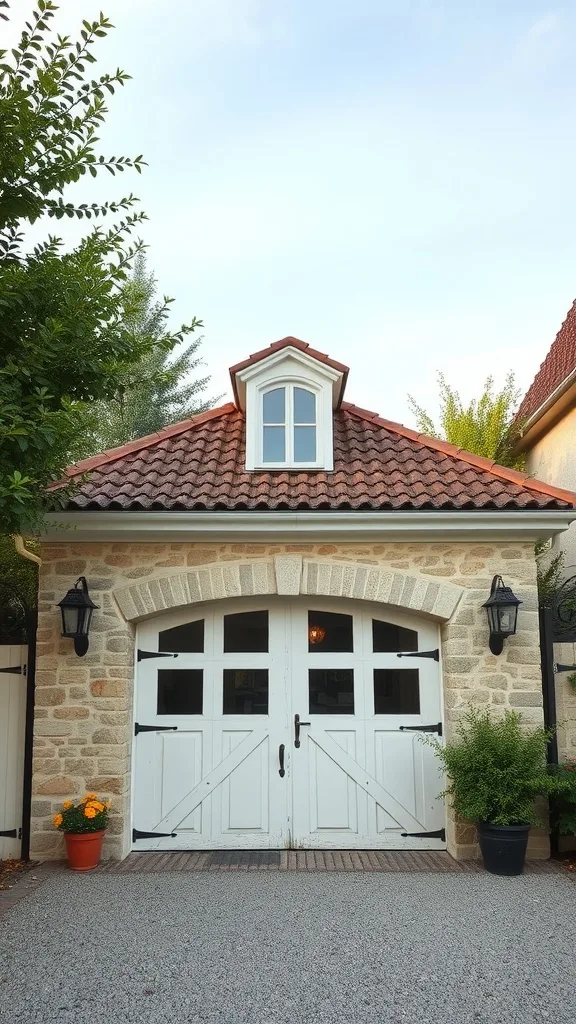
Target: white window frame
<point>289,424</point>
<point>283,369</point>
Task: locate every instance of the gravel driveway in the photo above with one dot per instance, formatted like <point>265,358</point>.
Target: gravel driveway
<point>272,948</point>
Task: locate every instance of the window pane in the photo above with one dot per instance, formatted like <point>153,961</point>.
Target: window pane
<point>180,691</point>
<point>274,405</point>
<point>396,691</point>
<point>304,406</point>
<point>246,632</point>
<point>331,691</point>
<point>304,444</point>
<point>387,637</point>
<point>329,632</point>
<point>245,691</point>
<point>188,638</point>
<point>274,449</point>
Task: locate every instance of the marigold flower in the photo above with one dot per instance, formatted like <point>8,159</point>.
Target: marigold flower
<point>58,819</point>
<point>68,804</point>
<point>97,805</point>
<point>89,796</point>
<point>89,812</point>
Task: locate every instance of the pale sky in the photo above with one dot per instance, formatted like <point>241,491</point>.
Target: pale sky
<point>390,180</point>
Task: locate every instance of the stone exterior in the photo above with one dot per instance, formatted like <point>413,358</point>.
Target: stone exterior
<point>83,718</point>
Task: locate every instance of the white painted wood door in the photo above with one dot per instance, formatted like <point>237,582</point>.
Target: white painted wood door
<point>206,766</point>
<point>214,781</point>
<point>362,779</point>
<point>12,737</point>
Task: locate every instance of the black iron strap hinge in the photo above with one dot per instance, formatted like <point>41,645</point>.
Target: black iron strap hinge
<point>153,728</point>
<point>18,670</point>
<point>435,655</point>
<point>440,834</point>
<point>564,668</point>
<point>11,833</point>
<point>137,834</point>
<point>437,727</point>
<point>144,655</point>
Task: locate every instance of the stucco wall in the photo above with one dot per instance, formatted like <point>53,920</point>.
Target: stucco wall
<point>553,459</point>
<point>83,724</point>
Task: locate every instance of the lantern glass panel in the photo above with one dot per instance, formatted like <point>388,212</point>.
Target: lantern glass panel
<point>70,621</point>
<point>507,616</point>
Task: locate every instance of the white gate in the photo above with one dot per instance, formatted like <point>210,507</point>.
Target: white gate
<point>12,737</point>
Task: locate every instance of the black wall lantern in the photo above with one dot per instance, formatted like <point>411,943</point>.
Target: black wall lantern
<point>77,610</point>
<point>502,611</point>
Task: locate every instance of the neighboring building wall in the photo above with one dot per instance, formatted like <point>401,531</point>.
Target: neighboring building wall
<point>83,725</point>
<point>553,459</point>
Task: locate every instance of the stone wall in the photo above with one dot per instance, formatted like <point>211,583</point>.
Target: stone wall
<point>83,721</point>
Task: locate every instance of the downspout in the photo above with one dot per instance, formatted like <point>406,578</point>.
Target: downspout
<point>31,626</point>
<point>23,550</point>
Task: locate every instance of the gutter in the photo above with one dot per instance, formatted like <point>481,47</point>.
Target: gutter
<point>546,406</point>
<point>313,527</point>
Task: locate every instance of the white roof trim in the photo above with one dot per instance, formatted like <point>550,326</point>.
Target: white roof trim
<point>67,527</point>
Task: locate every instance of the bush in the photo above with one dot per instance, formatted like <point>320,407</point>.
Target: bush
<point>565,804</point>
<point>496,769</point>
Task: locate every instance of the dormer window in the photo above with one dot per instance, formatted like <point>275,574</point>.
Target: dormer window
<point>288,394</point>
<point>289,426</point>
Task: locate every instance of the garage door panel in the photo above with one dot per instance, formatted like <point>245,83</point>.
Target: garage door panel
<point>245,792</point>
<point>333,794</point>
<point>182,760</point>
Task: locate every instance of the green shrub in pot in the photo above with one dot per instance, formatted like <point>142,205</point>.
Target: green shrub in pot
<point>496,770</point>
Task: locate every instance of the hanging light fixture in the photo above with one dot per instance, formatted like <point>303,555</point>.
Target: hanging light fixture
<point>502,611</point>
<point>77,609</point>
<point>316,634</point>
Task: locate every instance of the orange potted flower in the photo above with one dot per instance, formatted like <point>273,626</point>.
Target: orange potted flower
<point>83,825</point>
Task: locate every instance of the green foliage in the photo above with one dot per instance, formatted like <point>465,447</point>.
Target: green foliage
<point>153,392</point>
<point>485,427</point>
<point>496,768</point>
<point>64,340</point>
<point>17,571</point>
<point>565,803</point>
<point>549,571</point>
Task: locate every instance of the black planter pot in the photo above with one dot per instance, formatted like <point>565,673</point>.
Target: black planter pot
<point>503,847</point>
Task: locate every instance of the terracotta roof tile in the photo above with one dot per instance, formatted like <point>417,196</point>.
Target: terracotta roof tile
<point>378,465</point>
<point>558,365</point>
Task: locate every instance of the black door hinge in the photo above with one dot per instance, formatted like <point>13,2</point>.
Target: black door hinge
<point>18,670</point>
<point>435,655</point>
<point>440,834</point>
<point>437,727</point>
<point>11,833</point>
<point>153,728</point>
<point>137,834</point>
<point>144,655</point>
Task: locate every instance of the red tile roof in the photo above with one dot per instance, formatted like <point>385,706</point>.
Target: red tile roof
<point>378,465</point>
<point>558,365</point>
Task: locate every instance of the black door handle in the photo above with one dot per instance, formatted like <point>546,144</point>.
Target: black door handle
<point>297,724</point>
<point>281,750</point>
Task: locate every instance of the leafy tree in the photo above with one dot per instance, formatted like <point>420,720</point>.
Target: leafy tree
<point>155,391</point>
<point>485,426</point>
<point>64,313</point>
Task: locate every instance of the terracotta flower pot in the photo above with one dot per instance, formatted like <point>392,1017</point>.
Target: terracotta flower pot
<point>83,849</point>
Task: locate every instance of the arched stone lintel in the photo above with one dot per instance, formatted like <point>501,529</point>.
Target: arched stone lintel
<point>289,575</point>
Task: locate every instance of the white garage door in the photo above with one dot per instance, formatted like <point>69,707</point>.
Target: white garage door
<point>288,724</point>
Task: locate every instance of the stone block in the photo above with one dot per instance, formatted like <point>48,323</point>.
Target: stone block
<point>108,688</point>
<point>516,699</point>
<point>59,785</point>
<point>71,712</point>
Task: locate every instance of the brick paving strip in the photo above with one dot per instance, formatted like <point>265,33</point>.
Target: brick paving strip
<point>308,860</point>
<point>267,860</point>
